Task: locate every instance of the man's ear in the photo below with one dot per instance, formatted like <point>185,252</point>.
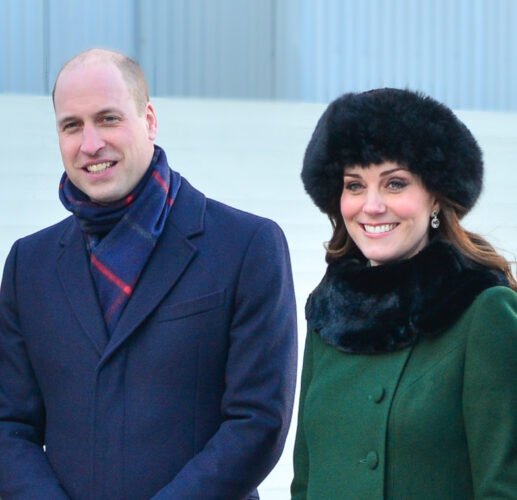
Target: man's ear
<point>151,121</point>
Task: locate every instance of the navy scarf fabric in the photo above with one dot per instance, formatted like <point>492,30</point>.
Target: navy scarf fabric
<point>121,236</point>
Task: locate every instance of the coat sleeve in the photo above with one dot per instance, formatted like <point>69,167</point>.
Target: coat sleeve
<point>490,394</point>
<point>25,472</point>
<point>301,455</point>
<point>260,380</point>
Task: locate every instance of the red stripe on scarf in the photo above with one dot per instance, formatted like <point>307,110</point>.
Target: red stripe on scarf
<point>112,277</point>
<point>119,302</point>
<point>160,181</point>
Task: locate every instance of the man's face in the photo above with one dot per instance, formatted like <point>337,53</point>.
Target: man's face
<point>106,144</point>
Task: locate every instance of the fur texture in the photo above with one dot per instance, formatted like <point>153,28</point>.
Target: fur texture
<point>361,309</point>
<point>392,125</point>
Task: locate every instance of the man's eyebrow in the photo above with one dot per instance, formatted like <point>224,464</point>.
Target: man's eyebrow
<point>106,111</point>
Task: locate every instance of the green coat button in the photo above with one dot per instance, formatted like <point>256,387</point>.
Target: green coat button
<point>377,395</point>
<point>372,459</point>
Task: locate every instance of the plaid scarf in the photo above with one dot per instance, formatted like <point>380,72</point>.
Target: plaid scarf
<point>121,236</point>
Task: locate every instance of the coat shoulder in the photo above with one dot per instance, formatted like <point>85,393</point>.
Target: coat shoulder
<point>492,320</point>
<point>495,304</point>
<point>44,239</point>
<point>225,215</point>
<point>197,213</point>
<point>50,231</point>
<point>240,232</point>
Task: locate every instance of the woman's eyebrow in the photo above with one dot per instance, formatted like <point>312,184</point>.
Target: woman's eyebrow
<point>387,172</point>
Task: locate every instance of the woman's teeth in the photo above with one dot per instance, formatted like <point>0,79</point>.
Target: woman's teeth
<point>382,228</point>
<point>99,167</point>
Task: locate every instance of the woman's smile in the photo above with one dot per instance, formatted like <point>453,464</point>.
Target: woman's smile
<point>378,228</point>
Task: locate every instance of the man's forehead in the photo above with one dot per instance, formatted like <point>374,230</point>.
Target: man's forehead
<point>87,66</point>
<point>89,79</point>
<point>97,73</point>
<point>76,98</point>
<point>94,56</point>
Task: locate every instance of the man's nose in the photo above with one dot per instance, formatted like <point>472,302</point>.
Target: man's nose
<point>374,203</point>
<point>92,141</point>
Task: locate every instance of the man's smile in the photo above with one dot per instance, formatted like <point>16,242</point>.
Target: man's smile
<point>98,168</point>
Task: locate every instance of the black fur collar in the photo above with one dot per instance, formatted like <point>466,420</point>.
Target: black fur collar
<point>361,309</point>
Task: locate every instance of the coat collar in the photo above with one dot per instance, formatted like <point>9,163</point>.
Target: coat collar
<point>361,309</point>
<point>172,255</point>
<point>73,270</point>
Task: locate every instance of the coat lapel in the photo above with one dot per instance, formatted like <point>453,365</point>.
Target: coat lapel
<point>172,255</point>
<point>74,274</point>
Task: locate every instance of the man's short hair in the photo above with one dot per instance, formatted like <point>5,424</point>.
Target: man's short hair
<point>131,73</point>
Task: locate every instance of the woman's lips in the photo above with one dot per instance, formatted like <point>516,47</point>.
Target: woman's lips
<point>378,228</point>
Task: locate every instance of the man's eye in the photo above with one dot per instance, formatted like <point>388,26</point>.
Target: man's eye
<point>69,127</point>
<point>110,119</point>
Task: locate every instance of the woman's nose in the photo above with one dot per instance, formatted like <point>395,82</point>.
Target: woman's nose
<point>374,203</point>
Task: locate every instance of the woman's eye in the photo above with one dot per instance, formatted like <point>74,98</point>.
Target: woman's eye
<point>396,184</point>
<point>352,186</point>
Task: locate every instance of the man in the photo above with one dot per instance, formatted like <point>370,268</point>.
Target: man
<point>147,342</point>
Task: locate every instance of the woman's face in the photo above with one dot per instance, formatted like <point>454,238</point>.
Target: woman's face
<point>386,210</point>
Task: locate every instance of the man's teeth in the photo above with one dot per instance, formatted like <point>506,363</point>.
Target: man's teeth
<point>383,228</point>
<point>99,167</point>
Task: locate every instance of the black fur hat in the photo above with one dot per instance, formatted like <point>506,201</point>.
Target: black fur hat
<point>392,125</point>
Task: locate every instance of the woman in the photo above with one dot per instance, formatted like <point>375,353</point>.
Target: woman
<point>409,382</point>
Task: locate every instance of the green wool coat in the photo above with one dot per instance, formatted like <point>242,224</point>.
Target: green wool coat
<point>435,421</point>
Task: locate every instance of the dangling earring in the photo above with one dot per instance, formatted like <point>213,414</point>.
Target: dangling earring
<point>435,221</point>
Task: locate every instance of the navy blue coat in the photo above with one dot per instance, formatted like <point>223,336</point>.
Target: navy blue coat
<point>192,395</point>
